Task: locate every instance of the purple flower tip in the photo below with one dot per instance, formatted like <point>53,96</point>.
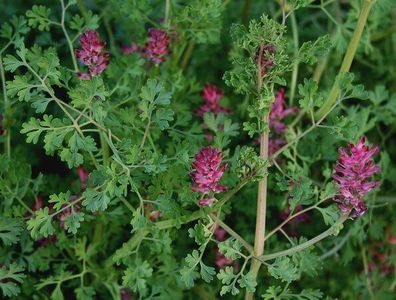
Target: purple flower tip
<point>351,174</point>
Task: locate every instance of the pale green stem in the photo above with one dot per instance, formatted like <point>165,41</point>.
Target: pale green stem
<point>293,84</point>
<point>348,58</point>
<point>69,42</point>
<point>7,143</point>
<point>333,230</point>
<point>259,236</point>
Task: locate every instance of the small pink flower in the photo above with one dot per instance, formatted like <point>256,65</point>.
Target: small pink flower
<point>220,234</point>
<point>67,212</point>
<point>351,174</point>
<point>275,144</point>
<point>208,170</point>
<point>132,48</point>
<point>211,96</point>
<point>83,175</point>
<point>154,215</point>
<point>156,48</point>
<point>279,112</point>
<point>222,261</point>
<point>206,201</point>
<point>392,239</point>
<point>91,54</point>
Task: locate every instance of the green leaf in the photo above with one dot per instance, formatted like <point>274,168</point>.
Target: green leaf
<point>95,200</point>
<point>10,230</point>
<point>330,214</point>
<point>310,96</point>
<point>284,269</point>
<point>227,278</point>
<point>302,193</point>
<point>163,117</point>
<point>348,89</point>
<point>135,277</point>
<point>40,224</point>
<point>9,277</point>
<point>38,17</point>
<point>85,293</point>
<point>230,248</point>
<point>248,281</point>
<point>307,261</point>
<point>200,233</point>
<point>201,20</point>
<point>72,158</point>
<point>207,272</point>
<point>72,221</point>
<point>310,51</point>
<point>11,63</point>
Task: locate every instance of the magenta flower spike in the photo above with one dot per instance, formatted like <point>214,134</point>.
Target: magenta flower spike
<point>91,54</point>
<point>212,96</point>
<point>207,172</point>
<point>157,46</point>
<point>352,174</point>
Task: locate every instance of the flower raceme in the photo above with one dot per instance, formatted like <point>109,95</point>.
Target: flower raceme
<point>212,96</point>
<point>351,174</point>
<point>207,172</point>
<point>279,112</point>
<point>91,54</point>
<point>156,48</point>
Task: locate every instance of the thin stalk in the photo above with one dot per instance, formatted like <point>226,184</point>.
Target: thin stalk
<point>366,272</point>
<point>105,149</point>
<point>167,10</point>
<point>245,11</point>
<point>69,42</point>
<point>348,58</point>
<point>187,55</point>
<point>262,189</point>
<point>330,231</point>
<point>231,232</point>
<point>7,144</point>
<point>293,84</point>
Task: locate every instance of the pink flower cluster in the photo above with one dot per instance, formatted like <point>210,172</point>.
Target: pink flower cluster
<point>351,174</point>
<point>91,54</point>
<point>207,172</point>
<point>278,113</point>
<point>156,47</point>
<point>212,96</point>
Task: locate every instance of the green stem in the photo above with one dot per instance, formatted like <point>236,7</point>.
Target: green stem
<point>259,237</point>
<point>348,58</point>
<point>7,143</point>
<point>69,42</point>
<point>293,84</point>
<point>330,231</point>
<point>105,149</point>
<point>187,55</point>
<point>245,11</point>
<point>167,10</point>
<point>82,8</point>
<point>232,233</point>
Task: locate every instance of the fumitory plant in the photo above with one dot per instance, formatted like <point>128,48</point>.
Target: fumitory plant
<point>200,149</point>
